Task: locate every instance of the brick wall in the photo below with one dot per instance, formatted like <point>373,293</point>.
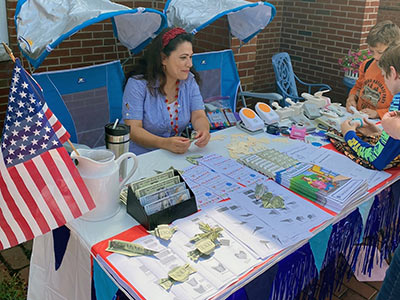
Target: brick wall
<point>314,32</point>
<point>389,10</point>
<point>317,33</point>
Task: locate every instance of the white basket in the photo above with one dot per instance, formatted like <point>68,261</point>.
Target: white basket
<point>351,74</point>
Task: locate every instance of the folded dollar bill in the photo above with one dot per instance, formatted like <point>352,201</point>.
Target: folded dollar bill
<point>128,248</point>
<point>163,231</point>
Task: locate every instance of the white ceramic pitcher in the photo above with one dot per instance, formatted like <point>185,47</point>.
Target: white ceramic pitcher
<point>100,171</point>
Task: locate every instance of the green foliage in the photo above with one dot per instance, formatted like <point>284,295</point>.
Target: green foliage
<point>12,289</point>
<point>353,60</point>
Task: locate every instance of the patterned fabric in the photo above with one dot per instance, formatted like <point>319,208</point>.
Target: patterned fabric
<point>344,148</point>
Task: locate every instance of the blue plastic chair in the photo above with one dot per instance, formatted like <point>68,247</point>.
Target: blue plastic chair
<point>85,99</point>
<point>286,78</point>
<point>220,79</point>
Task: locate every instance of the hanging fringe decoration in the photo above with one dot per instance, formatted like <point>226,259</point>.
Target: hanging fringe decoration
<point>345,235</point>
<point>295,273</point>
<point>382,230</point>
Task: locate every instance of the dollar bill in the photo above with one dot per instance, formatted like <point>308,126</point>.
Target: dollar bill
<point>150,189</point>
<point>162,193</point>
<point>166,202</point>
<point>260,190</point>
<point>129,249</point>
<point>205,246</point>
<point>166,283</point>
<point>193,135</point>
<point>181,273</point>
<point>123,196</point>
<point>194,255</point>
<point>150,180</point>
<point>272,201</point>
<point>163,231</point>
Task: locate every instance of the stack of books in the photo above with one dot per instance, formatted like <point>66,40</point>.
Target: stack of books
<point>329,189</point>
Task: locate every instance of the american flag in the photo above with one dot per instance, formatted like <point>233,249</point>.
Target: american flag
<point>40,187</point>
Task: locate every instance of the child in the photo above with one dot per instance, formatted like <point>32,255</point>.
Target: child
<point>370,94</point>
<point>390,64</point>
<point>387,148</point>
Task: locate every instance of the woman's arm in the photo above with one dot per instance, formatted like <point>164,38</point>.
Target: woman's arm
<point>146,139</point>
<point>202,126</point>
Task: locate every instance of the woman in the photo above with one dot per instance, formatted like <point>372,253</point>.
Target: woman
<point>162,96</point>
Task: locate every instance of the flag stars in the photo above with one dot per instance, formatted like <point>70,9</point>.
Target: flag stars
<point>17,69</point>
<point>4,145</point>
<point>34,142</point>
<point>22,94</point>
<point>43,145</point>
<point>27,128</point>
<point>29,119</point>
<point>17,123</point>
<point>10,108</point>
<point>11,151</point>
<point>31,110</point>
<point>7,127</point>
<point>19,114</point>
<point>40,115</point>
<point>13,89</point>
<point>32,151</point>
<point>32,99</point>
<point>21,104</point>
<point>36,132</point>
<point>8,118</point>
<point>5,135</point>
<point>46,137</point>
<point>14,132</point>
<point>13,142</point>
<point>22,147</point>
<point>24,138</point>
<point>24,85</point>
<point>47,128</point>
<point>9,160</point>
<point>38,123</point>
<point>55,143</point>
<point>20,156</point>
<point>15,78</point>
<point>12,99</point>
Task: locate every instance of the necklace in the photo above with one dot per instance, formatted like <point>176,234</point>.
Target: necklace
<point>174,109</point>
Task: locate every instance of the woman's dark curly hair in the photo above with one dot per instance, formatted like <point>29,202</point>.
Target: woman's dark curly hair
<point>150,67</point>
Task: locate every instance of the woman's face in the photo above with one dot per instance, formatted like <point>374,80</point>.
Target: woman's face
<point>178,63</point>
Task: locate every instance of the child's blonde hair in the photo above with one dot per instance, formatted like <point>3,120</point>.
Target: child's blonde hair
<point>390,58</point>
<point>385,32</point>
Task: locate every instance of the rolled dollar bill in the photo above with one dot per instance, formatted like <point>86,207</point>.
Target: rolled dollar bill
<point>127,248</point>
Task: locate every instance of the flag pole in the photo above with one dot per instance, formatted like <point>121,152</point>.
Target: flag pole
<point>9,52</point>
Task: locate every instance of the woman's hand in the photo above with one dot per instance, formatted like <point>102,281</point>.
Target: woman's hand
<point>369,128</point>
<point>177,144</point>
<point>373,114</point>
<point>351,101</point>
<point>202,138</point>
<point>346,127</point>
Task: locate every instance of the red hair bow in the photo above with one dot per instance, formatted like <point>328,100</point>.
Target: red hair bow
<point>170,35</point>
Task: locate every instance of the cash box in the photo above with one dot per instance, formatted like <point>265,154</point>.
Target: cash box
<point>165,216</point>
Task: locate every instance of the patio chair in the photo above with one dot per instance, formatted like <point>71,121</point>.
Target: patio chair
<point>220,79</point>
<point>85,99</point>
<point>286,78</point>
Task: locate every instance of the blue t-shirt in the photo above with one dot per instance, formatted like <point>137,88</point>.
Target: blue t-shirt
<point>385,150</point>
<point>139,104</point>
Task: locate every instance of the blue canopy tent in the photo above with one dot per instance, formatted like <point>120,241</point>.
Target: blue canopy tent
<point>42,25</point>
